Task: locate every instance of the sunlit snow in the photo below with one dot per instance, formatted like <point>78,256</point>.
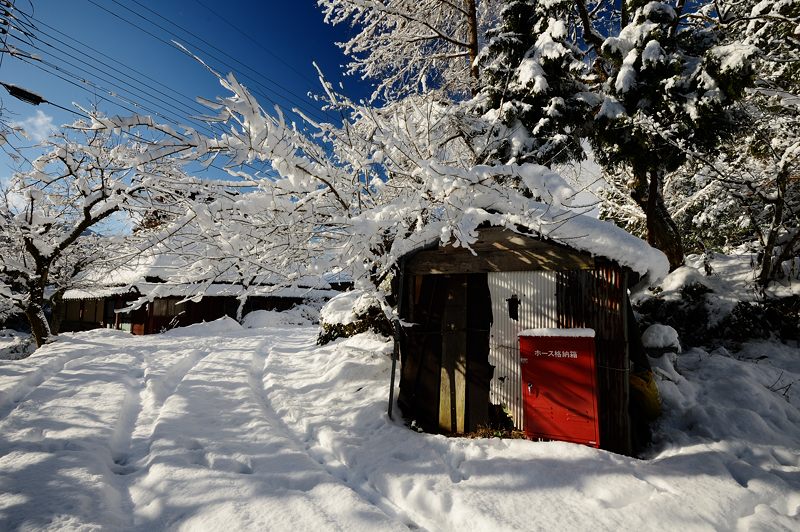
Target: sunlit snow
<point>217,426</point>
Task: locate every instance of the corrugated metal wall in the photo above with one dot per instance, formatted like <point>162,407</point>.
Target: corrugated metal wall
<point>536,292</point>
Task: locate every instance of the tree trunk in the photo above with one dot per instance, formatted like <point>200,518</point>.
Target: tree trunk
<point>624,16</point>
<point>34,310</point>
<point>662,231</point>
<point>57,305</point>
<point>767,261</point>
<point>39,326</point>
<point>472,36</point>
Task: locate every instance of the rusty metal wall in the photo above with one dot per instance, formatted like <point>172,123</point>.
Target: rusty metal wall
<point>536,291</point>
<point>596,299</point>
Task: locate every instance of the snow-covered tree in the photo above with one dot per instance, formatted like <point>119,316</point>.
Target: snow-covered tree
<point>669,85</point>
<point>49,212</point>
<point>532,97</point>
<point>749,191</point>
<point>408,46</point>
<point>355,197</point>
<point>774,28</point>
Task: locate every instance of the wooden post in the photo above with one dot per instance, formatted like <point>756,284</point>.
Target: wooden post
<point>627,434</point>
<point>453,387</point>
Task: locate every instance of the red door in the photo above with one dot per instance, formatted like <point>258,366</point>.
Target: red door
<point>559,386</point>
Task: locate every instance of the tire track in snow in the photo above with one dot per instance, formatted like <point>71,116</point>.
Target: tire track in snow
<point>331,465</point>
<point>142,409</point>
<point>216,452</point>
<point>70,420</point>
<point>18,392</point>
<point>147,391</point>
<point>120,440</point>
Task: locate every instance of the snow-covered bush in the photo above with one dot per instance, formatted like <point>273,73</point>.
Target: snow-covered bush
<point>351,313</point>
<point>303,314</point>
<point>722,307</point>
<point>661,338</point>
<point>15,345</point>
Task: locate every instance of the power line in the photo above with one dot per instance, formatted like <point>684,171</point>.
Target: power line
<point>153,90</point>
<point>254,41</point>
<point>35,99</point>
<point>150,107</point>
<point>41,66</point>
<point>291,93</point>
<point>173,45</point>
<point>127,86</point>
<point>82,83</point>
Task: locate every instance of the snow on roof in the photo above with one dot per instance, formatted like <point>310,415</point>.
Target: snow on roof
<point>604,239</point>
<point>185,269</point>
<point>578,231</point>
<point>188,290</point>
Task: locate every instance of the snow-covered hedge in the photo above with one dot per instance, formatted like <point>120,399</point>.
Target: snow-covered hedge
<point>351,313</point>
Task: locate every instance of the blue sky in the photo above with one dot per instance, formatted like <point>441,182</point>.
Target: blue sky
<point>269,44</point>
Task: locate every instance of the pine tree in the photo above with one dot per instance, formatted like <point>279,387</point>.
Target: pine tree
<point>668,85</point>
<point>749,192</point>
<point>532,98</point>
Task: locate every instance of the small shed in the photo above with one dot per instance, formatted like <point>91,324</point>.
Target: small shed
<point>463,310</point>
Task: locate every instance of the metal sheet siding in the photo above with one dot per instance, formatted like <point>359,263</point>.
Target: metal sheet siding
<point>538,308</point>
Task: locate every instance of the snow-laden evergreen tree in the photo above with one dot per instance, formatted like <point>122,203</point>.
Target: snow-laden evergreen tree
<point>533,102</point>
<point>748,192</point>
<point>773,27</point>
<point>669,84</point>
<point>409,46</point>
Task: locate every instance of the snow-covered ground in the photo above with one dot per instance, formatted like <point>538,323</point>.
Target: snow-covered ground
<point>217,426</point>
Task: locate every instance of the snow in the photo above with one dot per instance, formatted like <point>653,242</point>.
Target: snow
<point>299,315</point>
<point>189,290</point>
<point>564,333</point>
<point>659,336</point>
<point>347,306</point>
<point>626,79</point>
<point>15,344</point>
<point>729,282</point>
<point>611,109</point>
<point>221,426</point>
<point>733,57</point>
<point>653,53</point>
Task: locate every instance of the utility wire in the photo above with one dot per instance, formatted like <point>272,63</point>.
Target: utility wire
<point>128,88</point>
<point>8,13</point>
<point>300,100</point>
<point>41,66</point>
<point>255,42</point>
<point>82,83</point>
<point>173,45</point>
<point>150,106</point>
<point>153,91</point>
